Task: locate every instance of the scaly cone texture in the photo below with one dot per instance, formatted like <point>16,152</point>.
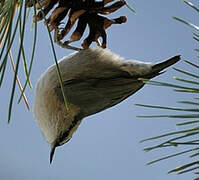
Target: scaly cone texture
<point>85,12</point>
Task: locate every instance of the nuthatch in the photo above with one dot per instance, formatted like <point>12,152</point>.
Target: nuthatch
<point>94,80</point>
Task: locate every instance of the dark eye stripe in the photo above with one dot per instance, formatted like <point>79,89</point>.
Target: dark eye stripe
<point>64,138</point>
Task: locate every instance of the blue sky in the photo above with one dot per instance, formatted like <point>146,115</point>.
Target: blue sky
<point>106,145</point>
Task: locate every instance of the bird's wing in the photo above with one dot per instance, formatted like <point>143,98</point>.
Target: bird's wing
<point>94,95</point>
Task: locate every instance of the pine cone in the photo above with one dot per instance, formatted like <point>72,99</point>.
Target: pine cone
<point>83,11</point>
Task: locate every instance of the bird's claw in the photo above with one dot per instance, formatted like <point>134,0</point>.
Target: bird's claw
<point>64,44</point>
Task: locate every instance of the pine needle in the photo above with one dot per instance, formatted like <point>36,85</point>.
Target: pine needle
<point>18,81</point>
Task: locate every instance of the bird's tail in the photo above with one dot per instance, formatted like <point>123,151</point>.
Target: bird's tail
<point>160,66</point>
<point>157,68</point>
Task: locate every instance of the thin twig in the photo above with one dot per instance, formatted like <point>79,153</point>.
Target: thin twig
<point>18,81</point>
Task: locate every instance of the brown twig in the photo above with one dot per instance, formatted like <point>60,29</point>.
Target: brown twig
<point>18,81</point>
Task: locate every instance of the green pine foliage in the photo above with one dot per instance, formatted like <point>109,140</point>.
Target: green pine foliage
<point>13,18</point>
<point>188,117</point>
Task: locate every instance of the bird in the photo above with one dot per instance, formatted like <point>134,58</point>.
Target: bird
<point>93,80</point>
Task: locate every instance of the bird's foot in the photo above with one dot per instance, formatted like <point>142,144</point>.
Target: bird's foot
<point>64,44</point>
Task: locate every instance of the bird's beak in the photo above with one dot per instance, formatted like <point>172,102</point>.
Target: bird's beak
<point>53,146</point>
